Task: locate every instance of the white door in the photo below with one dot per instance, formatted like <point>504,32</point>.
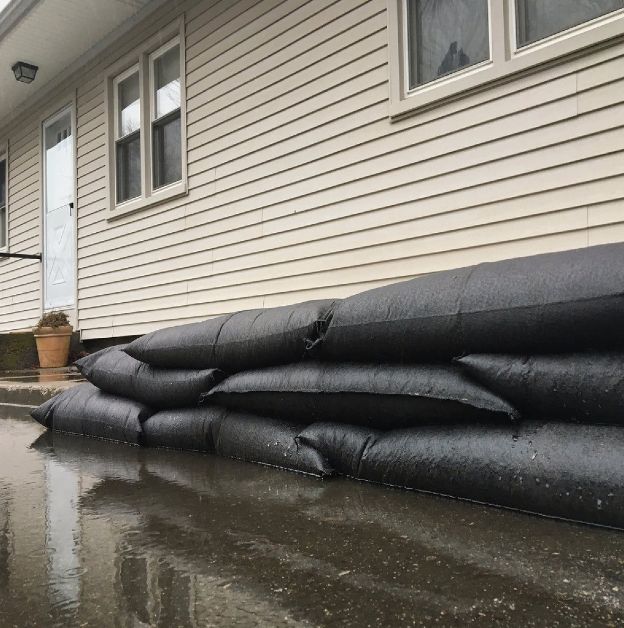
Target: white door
<point>59,255</point>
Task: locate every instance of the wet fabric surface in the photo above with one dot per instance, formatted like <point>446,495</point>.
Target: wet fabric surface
<point>449,427</point>
<point>584,387</point>
<point>382,396</point>
<point>553,302</point>
<point>114,371</point>
<point>85,409</point>
<point>243,340</point>
<point>100,534</point>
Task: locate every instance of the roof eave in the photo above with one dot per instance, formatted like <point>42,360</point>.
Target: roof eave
<point>13,13</point>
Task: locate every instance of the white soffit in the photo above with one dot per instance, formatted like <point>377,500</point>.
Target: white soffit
<point>54,35</point>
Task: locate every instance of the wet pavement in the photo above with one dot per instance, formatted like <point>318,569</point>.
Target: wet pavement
<point>100,534</point>
<point>35,386</point>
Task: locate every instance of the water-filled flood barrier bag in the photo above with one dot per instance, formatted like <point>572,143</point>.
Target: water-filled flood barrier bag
<point>267,441</point>
<point>558,469</point>
<point>192,429</point>
<point>384,396</point>
<point>565,301</point>
<point>86,410</point>
<point>114,371</point>
<point>584,387</point>
<point>235,342</point>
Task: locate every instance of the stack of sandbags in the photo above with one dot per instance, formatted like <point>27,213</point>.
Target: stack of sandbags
<point>153,400</point>
<point>500,383</point>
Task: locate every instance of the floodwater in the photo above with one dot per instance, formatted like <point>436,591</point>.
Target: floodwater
<point>100,534</point>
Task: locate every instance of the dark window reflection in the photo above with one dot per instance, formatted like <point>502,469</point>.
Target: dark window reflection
<point>445,36</point>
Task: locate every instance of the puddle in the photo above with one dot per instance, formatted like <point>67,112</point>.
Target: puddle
<point>99,534</point>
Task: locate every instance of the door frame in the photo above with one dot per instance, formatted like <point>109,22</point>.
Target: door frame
<point>47,117</point>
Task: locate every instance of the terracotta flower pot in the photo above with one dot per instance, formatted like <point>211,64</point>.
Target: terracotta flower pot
<point>53,345</point>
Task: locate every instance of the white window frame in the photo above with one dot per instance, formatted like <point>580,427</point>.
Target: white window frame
<point>142,59</point>
<point>4,156</point>
<point>506,59</point>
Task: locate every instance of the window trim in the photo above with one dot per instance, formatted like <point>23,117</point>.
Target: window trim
<point>506,59</point>
<point>4,156</point>
<point>142,58</point>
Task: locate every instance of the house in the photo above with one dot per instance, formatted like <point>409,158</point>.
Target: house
<point>176,160</point>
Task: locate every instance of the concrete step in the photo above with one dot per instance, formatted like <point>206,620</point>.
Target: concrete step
<point>32,387</point>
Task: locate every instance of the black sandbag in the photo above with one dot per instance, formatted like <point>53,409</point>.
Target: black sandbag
<point>558,469</point>
<point>86,410</point>
<point>586,387</point>
<point>566,301</point>
<point>114,371</point>
<point>267,441</point>
<point>383,396</point>
<point>341,445</point>
<point>245,340</point>
<point>192,429</point>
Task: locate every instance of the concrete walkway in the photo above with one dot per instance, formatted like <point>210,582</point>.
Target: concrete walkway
<point>31,388</point>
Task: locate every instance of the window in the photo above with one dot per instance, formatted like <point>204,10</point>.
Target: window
<point>3,202</point>
<point>445,37</point>
<point>147,151</point>
<point>128,136</point>
<point>445,47</point>
<point>538,19</point>
<point>166,141</point>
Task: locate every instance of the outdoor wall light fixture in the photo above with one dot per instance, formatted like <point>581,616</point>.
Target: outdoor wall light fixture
<point>24,72</point>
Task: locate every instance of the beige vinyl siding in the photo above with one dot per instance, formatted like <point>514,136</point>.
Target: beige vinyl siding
<point>301,187</point>
<point>20,302</point>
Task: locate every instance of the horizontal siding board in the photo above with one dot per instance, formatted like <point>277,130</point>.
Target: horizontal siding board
<point>247,20</point>
<point>520,187</point>
<point>378,137</point>
<point>542,116</point>
<point>267,21</point>
<point>332,71</point>
<point>320,277</point>
<point>606,213</point>
<point>338,235</point>
<point>601,97</point>
<point>280,55</point>
<point>601,73</point>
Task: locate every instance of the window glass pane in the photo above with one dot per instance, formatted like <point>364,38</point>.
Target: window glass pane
<point>3,194</point>
<point>167,151</point>
<point>129,168</point>
<point>538,19</point>
<point>129,105</point>
<point>445,36</point>
<point>167,82</point>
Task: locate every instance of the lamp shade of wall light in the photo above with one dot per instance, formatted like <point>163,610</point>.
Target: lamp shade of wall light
<point>24,72</point>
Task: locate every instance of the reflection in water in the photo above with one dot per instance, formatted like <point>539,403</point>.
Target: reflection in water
<point>62,533</point>
<point>138,537</point>
<point>5,535</point>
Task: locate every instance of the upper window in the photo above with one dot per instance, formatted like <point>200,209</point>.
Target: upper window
<point>128,136</point>
<point>148,145</point>
<point>444,47</point>
<point>166,127</point>
<point>3,202</point>
<point>538,19</point>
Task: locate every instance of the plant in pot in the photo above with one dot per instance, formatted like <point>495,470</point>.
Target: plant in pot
<point>53,336</point>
